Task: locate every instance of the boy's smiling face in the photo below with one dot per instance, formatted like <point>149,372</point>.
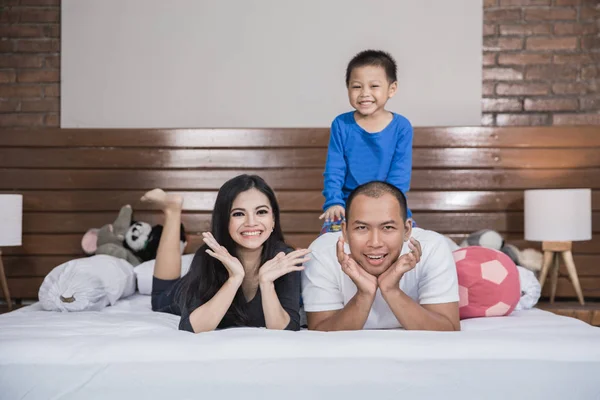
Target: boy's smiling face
<point>369,90</point>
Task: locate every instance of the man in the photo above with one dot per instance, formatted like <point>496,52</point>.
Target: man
<point>395,275</point>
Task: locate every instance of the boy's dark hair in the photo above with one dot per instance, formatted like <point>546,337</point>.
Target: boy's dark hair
<point>376,58</point>
<point>376,189</point>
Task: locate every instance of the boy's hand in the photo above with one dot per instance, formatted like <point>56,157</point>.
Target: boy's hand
<point>333,213</point>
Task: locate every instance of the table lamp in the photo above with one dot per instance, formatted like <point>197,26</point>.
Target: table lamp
<point>11,222</point>
<point>558,217</point>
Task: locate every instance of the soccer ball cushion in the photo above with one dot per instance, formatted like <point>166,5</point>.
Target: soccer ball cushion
<point>488,282</point>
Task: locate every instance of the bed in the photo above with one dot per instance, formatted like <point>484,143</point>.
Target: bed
<point>127,351</point>
<point>464,179</point>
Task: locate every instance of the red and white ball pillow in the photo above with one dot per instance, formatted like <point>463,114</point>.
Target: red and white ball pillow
<point>488,282</point>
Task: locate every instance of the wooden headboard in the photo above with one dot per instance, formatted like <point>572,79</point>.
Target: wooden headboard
<point>464,179</point>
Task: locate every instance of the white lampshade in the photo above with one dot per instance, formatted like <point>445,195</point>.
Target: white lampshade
<point>11,219</point>
<point>558,215</point>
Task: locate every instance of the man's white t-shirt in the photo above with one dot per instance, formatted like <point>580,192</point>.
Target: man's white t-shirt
<point>325,287</point>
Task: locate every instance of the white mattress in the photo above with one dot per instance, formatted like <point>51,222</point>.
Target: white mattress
<point>127,351</point>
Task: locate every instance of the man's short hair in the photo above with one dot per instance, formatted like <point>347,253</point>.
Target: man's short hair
<point>375,58</point>
<point>376,189</point>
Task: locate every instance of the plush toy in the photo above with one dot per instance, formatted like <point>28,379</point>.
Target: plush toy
<point>484,238</point>
<point>142,240</point>
<point>528,258</point>
<point>110,238</point>
<point>488,282</point>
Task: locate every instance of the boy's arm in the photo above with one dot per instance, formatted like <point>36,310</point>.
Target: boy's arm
<point>401,168</point>
<point>335,168</point>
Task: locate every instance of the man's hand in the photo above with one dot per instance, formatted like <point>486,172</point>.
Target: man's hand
<point>365,282</point>
<point>390,279</point>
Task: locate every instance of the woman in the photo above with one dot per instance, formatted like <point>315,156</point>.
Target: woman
<point>243,275</point>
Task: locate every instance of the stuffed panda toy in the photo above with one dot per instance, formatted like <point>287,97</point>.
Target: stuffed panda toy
<point>143,239</point>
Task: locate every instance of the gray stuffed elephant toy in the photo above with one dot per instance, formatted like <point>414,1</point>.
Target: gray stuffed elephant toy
<point>110,238</point>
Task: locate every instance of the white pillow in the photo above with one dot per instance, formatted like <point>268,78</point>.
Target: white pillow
<point>87,284</point>
<point>145,271</point>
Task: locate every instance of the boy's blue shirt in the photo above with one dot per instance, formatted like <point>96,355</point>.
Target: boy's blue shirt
<point>356,156</point>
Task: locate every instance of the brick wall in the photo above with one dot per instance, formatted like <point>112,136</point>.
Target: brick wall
<point>29,63</point>
<point>540,62</point>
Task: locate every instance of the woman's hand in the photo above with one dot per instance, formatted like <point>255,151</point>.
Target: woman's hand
<point>231,263</point>
<point>282,264</point>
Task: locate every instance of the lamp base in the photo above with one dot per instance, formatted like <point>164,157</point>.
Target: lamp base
<point>4,284</point>
<point>552,251</point>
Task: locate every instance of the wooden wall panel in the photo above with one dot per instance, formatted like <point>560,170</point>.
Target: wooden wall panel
<point>464,179</point>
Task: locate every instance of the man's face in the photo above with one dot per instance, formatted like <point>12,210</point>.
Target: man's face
<point>375,232</point>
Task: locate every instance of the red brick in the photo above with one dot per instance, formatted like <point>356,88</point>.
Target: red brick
<point>6,46</point>
<point>9,106</point>
<point>19,120</point>
<point>487,119</point>
<point>567,2</point>
<point>574,28</point>
<point>524,59</point>
<point>522,119</point>
<point>551,104</point>
<point>52,90</point>
<point>547,14</point>
<point>590,42</point>
<point>570,88</point>
<point>38,76</point>
<point>10,15</point>
<point>20,61</point>
<point>588,13</point>
<point>40,15</point>
<point>488,89</point>
<point>551,72</point>
<point>522,89</point>
<point>491,105</point>
<point>590,72</point>
<point>576,119</point>
<point>15,31</point>
<point>589,103</point>
<point>526,29</point>
<point>502,15</point>
<point>502,43</point>
<point>52,30</point>
<point>8,91</point>
<point>502,74</point>
<point>577,59</point>
<point>489,29</point>
<point>490,3</point>
<point>509,3</point>
<point>52,120</point>
<point>545,43</point>
<point>46,105</point>
<point>7,76</point>
<point>40,2</point>
<point>489,59</point>
<point>53,61</point>
<point>38,45</point>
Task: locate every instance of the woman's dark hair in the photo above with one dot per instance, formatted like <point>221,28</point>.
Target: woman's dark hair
<point>207,274</point>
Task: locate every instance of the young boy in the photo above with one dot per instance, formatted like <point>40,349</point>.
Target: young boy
<point>369,143</point>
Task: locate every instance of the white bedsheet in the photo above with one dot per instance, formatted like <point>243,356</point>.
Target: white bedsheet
<point>127,351</point>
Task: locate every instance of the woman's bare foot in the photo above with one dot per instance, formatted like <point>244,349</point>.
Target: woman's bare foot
<point>165,201</point>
